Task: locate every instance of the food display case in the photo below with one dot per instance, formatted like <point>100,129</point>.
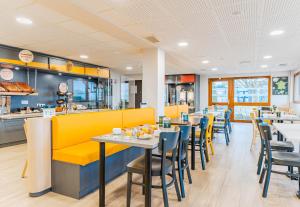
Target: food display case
<point>183,89</point>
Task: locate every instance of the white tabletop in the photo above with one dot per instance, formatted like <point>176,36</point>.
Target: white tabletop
<point>286,117</point>
<point>289,131</point>
<point>129,141</point>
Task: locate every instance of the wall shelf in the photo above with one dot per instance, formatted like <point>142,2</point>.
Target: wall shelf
<point>18,94</point>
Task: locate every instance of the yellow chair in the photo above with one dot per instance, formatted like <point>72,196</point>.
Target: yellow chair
<point>255,131</point>
<point>209,136</point>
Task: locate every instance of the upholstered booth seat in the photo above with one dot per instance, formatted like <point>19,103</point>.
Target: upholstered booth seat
<point>85,153</point>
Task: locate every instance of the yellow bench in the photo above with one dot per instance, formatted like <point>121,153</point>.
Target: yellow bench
<point>74,153</point>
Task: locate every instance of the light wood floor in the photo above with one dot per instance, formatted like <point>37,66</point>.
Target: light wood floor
<point>230,180</point>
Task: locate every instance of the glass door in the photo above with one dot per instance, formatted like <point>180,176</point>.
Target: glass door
<point>219,93</point>
<point>242,95</point>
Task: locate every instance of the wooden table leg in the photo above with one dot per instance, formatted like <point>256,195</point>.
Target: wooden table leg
<point>193,147</point>
<point>148,178</point>
<point>102,175</point>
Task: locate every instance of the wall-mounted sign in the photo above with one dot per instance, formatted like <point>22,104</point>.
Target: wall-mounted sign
<point>6,74</point>
<point>26,56</point>
<point>69,66</point>
<point>63,88</point>
<point>280,86</point>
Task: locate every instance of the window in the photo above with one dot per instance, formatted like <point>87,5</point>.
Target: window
<point>220,91</point>
<point>125,91</point>
<point>79,90</point>
<point>251,90</point>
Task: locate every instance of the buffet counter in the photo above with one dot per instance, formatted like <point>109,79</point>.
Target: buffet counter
<point>12,125</point>
<point>40,114</point>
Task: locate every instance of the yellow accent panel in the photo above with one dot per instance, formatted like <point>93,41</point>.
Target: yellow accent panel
<point>11,61</point>
<point>77,70</point>
<point>85,153</point>
<point>72,129</point>
<point>136,117</point>
<point>182,108</point>
<point>38,65</point>
<point>91,71</point>
<point>61,68</point>
<point>171,112</point>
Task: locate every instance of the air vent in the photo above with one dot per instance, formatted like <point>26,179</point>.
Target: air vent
<point>282,65</point>
<point>245,62</point>
<point>152,39</point>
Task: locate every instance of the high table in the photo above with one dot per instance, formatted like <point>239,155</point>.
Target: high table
<point>148,145</point>
<point>280,119</point>
<point>289,131</point>
<point>194,121</point>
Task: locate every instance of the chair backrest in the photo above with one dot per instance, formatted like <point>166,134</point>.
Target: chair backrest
<point>266,137</point>
<point>183,142</point>
<point>170,141</point>
<point>227,115</point>
<point>203,126</point>
<point>210,124</point>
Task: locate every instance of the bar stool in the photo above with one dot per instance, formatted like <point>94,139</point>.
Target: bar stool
<point>161,166</point>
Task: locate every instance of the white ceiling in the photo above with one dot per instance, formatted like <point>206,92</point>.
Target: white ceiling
<point>232,34</point>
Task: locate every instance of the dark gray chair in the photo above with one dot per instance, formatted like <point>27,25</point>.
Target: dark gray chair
<point>182,156</point>
<point>161,166</point>
<point>275,146</point>
<point>223,126</point>
<point>276,158</point>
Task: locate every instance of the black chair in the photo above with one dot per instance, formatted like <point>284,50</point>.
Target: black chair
<point>276,158</point>
<point>228,121</point>
<point>223,126</point>
<point>161,166</point>
<point>275,146</point>
<point>182,156</point>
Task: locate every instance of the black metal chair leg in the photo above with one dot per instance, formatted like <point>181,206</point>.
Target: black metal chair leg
<point>129,184</point>
<point>176,184</point>
<point>164,190</point>
<point>262,175</point>
<point>267,182</point>
<point>180,170</point>
<point>226,136</point>
<point>144,184</point>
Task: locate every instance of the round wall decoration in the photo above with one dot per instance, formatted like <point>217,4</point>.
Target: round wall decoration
<point>26,56</point>
<point>6,74</point>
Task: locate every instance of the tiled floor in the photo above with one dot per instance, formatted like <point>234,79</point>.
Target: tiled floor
<point>230,180</point>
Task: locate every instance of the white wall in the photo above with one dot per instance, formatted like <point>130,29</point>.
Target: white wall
<point>116,88</point>
<point>275,100</point>
<point>295,106</point>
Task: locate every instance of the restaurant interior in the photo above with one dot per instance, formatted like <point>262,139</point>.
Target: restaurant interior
<point>150,103</point>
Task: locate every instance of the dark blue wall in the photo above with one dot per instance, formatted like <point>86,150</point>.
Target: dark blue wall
<point>47,86</point>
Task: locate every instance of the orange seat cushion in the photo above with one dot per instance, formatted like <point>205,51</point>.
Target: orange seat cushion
<point>85,153</point>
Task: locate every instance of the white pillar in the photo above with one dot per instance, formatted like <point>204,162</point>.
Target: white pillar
<point>154,79</point>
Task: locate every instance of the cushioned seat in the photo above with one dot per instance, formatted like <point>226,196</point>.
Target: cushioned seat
<point>286,158</point>
<point>137,166</point>
<point>285,146</point>
<point>85,153</point>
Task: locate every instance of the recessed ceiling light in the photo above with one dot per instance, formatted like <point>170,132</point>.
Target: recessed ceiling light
<point>129,68</point>
<point>214,69</point>
<point>182,44</point>
<point>205,61</point>
<point>84,56</point>
<point>267,56</point>
<point>17,68</point>
<point>264,66</point>
<point>59,74</point>
<point>23,20</point>
<point>276,32</point>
